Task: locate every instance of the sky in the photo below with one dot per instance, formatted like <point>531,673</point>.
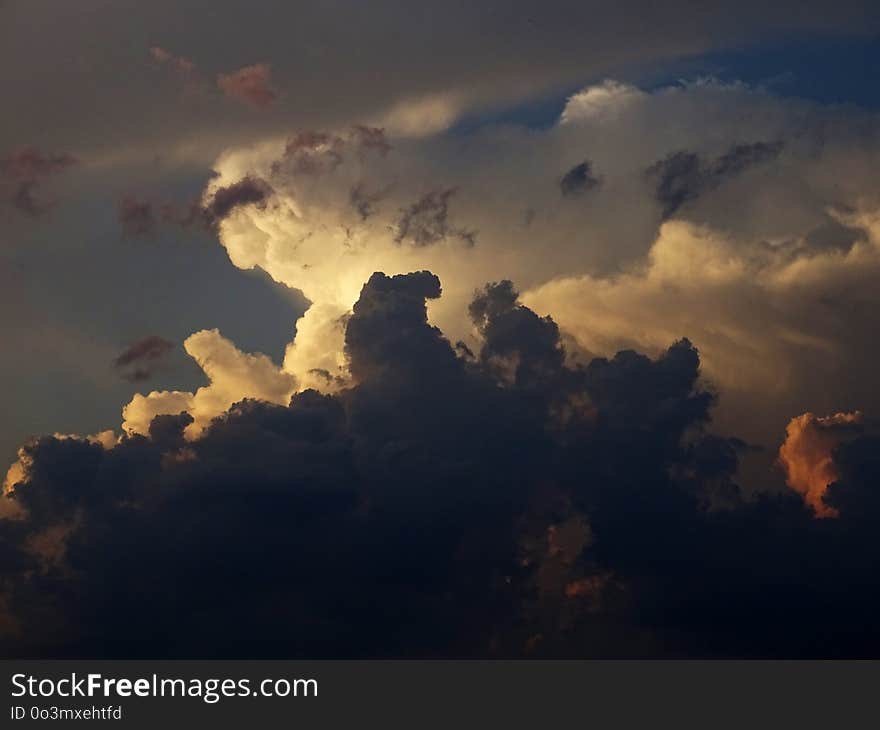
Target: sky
<point>337,329</point>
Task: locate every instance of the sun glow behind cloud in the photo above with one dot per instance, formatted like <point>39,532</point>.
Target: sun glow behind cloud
<point>746,267</point>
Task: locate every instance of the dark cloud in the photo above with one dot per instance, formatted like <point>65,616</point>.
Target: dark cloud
<point>364,200</point>
<point>856,494</point>
<point>251,85</point>
<point>370,139</point>
<point>22,173</point>
<point>743,156</point>
<point>519,347</point>
<point>685,176</point>
<point>148,348</point>
<point>426,222</point>
<point>247,191</point>
<point>678,178</point>
<point>448,503</point>
<point>140,216</point>
<point>312,152</point>
<point>138,361</point>
<point>578,180</point>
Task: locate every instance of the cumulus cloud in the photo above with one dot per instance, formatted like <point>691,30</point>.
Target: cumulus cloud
<point>500,501</point>
<point>808,454</point>
<point>405,479</point>
<point>232,374</point>
<point>768,201</point>
<point>443,487</point>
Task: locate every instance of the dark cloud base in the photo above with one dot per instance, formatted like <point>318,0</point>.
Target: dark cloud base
<point>451,503</point>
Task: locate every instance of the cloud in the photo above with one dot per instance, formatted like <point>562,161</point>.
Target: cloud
<point>423,116</point>
<point>426,221</point>
<point>683,176</point>
<point>142,216</point>
<point>601,102</point>
<point>854,495</point>
<point>402,474</point>
<point>442,504</point>
<point>371,139</point>
<point>144,355</point>
<point>578,180</point>
<point>249,85</point>
<point>405,480</point>
<point>483,74</point>
<point>808,454</point>
<point>364,201</point>
<point>232,374</point>
<point>770,198</point>
<point>248,191</point>
<point>310,152</point>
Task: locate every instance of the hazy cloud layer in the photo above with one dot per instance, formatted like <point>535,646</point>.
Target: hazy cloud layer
<point>333,64</point>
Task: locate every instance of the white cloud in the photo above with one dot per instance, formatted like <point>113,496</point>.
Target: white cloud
<point>759,266</point>
<point>233,375</point>
<point>603,102</point>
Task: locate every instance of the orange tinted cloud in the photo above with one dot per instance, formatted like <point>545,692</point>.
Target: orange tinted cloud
<point>250,85</point>
<point>808,455</point>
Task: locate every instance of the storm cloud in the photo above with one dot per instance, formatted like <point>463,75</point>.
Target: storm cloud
<point>488,348</point>
<point>420,511</point>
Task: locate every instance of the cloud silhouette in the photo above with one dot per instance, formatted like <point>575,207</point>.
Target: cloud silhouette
<point>493,503</point>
